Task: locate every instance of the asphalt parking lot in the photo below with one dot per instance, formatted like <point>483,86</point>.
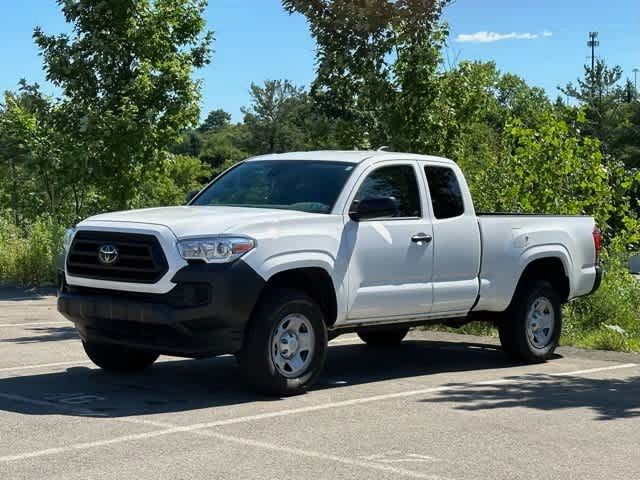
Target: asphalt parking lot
<point>439,407</point>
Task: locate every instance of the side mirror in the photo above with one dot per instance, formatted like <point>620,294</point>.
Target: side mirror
<point>190,196</point>
<point>373,207</point>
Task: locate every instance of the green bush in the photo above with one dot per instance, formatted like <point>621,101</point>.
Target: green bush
<point>610,318</point>
<point>30,255</point>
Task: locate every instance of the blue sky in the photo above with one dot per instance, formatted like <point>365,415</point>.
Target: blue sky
<point>544,41</point>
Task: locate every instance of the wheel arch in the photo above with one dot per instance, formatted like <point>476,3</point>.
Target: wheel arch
<point>315,281</point>
<point>550,268</point>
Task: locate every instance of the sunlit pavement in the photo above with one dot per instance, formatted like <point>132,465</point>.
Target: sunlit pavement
<point>439,406</point>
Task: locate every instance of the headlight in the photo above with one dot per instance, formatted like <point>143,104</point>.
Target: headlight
<point>215,249</point>
<point>68,236</point>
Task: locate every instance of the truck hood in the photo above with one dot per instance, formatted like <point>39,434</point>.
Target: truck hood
<point>189,221</point>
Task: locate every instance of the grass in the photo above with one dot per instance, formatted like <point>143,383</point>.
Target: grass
<point>29,256</point>
<point>610,318</point>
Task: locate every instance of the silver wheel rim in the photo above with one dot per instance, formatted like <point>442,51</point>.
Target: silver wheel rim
<point>292,345</point>
<point>540,322</point>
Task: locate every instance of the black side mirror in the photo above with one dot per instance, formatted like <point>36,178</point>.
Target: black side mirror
<point>373,207</point>
<point>190,196</point>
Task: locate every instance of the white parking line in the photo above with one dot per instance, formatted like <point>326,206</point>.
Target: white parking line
<point>593,370</point>
<point>292,411</point>
<point>86,445</point>
<point>320,456</point>
<point>35,324</point>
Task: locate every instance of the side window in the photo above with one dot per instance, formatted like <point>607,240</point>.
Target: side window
<point>397,181</point>
<point>446,196</point>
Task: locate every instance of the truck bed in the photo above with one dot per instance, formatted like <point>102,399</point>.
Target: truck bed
<point>511,240</point>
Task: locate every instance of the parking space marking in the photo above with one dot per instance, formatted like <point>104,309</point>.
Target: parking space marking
<point>87,445</point>
<point>371,465</point>
<point>593,370</point>
<point>34,324</point>
<point>368,463</point>
<point>396,456</point>
<point>168,429</point>
<point>219,436</point>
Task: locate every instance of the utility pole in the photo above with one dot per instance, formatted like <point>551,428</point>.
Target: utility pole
<point>635,78</point>
<point>593,43</point>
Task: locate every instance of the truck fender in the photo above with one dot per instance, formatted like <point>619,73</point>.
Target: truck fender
<point>539,252</point>
<point>307,259</point>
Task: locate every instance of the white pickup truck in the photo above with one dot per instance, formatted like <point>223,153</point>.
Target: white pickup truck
<point>281,253</point>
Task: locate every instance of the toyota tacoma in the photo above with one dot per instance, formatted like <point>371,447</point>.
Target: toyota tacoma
<point>281,253</point>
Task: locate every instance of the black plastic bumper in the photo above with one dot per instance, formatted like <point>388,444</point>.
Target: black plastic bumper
<point>598,280</point>
<point>205,314</point>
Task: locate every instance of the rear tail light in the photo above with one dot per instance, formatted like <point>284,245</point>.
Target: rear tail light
<point>597,243</point>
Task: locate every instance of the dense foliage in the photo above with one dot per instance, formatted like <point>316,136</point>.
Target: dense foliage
<point>124,132</point>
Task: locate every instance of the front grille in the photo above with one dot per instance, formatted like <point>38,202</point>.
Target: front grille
<point>140,257</point>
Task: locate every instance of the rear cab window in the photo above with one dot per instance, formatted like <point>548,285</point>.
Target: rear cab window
<point>446,196</point>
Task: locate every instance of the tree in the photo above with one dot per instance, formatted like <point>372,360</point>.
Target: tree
<point>598,93</point>
<point>273,117</point>
<point>628,92</point>
<point>215,121</point>
<point>191,144</point>
<point>625,141</point>
<point>546,169</point>
<point>474,104</point>
<point>225,147</point>
<point>376,65</point>
<point>179,175</point>
<point>126,77</point>
<point>40,161</point>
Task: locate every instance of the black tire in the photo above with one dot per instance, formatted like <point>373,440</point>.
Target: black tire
<point>256,358</point>
<point>384,338</point>
<point>515,338</point>
<point>116,358</point>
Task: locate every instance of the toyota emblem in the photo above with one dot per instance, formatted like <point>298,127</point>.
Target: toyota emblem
<point>108,254</point>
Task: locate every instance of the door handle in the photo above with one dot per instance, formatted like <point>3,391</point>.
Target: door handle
<point>421,237</point>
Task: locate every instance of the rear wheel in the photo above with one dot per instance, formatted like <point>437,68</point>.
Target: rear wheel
<point>530,328</point>
<point>384,338</point>
<point>286,343</point>
<point>117,358</point>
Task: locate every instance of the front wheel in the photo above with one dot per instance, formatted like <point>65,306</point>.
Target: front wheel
<point>116,358</point>
<point>286,343</point>
<point>530,328</point>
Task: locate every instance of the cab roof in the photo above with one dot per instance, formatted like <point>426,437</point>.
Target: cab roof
<point>349,156</point>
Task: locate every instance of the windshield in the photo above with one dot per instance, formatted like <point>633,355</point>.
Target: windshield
<point>308,186</point>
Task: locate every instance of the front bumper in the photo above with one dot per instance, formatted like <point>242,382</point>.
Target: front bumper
<point>204,314</point>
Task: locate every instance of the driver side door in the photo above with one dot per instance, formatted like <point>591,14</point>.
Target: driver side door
<point>390,270</point>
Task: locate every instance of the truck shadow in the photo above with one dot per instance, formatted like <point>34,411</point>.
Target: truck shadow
<point>607,398</point>
<point>190,385</point>
<point>18,294</point>
<point>44,334</point>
